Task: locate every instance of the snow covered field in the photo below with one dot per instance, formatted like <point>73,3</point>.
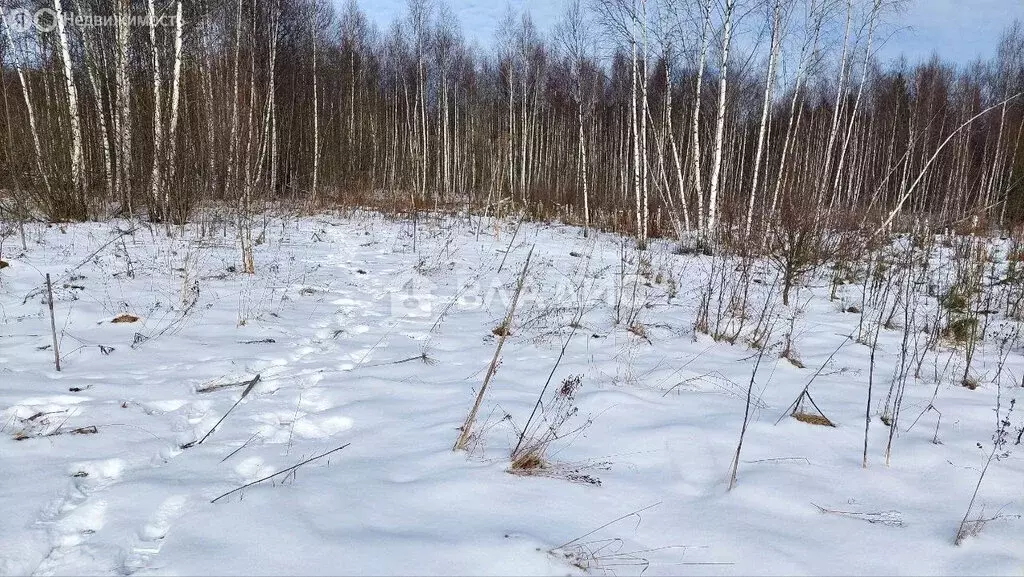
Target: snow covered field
<point>361,337</point>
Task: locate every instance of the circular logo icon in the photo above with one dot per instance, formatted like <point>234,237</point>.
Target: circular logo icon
<point>19,20</point>
<point>45,19</point>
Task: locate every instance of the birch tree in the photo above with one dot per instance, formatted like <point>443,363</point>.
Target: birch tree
<point>723,79</point>
<point>316,108</point>
<point>578,46</point>
<point>33,127</point>
<point>769,87</point>
<point>175,98</point>
<point>159,208</point>
<point>122,118</point>
<point>77,170</point>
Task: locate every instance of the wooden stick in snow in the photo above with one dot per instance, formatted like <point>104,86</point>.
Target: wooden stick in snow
<point>467,427</point>
<point>53,322</point>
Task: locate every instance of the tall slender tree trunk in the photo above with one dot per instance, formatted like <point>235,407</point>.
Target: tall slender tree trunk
<point>158,210</point>
<point>769,85</point>
<point>33,128</point>
<point>316,112</point>
<point>716,164</point>
<point>675,149</point>
<point>824,174</point>
<point>583,169</point>
<point>634,123</point>
<point>643,127</point>
<point>77,169</point>
<point>92,64</point>
<point>705,41</point>
<point>172,132</point>
<point>873,19</point>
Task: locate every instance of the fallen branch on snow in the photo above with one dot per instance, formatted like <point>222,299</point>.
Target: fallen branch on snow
<point>245,393</point>
<point>213,388</point>
<point>890,518</point>
<point>281,472</point>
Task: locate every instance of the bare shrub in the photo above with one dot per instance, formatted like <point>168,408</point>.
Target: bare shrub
<point>531,456</point>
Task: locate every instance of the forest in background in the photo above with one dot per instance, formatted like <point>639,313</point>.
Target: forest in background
<point>722,119</point>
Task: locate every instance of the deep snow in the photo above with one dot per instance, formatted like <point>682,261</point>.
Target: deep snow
<point>333,320</point>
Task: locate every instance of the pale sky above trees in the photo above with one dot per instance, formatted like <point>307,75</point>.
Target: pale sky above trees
<point>958,30</point>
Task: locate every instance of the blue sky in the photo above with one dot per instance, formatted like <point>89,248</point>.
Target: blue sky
<point>958,30</point>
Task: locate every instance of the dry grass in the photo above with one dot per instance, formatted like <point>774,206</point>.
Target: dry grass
<point>49,424</point>
<point>794,360</point>
<point>974,526</point>
<point>813,419</point>
<point>528,462</point>
<point>640,331</point>
<point>533,464</point>
<point>125,318</point>
<point>529,458</point>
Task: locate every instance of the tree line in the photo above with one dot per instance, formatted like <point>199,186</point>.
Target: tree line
<point>651,117</point>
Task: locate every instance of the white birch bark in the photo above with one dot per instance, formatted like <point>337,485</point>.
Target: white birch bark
<point>836,112</point>
<point>316,111</point>
<point>769,86</point>
<point>674,148</point>
<point>873,19</point>
<point>908,191</point>
<point>716,164</point>
<point>705,41</point>
<point>583,170</point>
<point>634,123</point>
<point>91,65</point>
<point>122,105</point>
<point>155,176</point>
<point>72,95</point>
<point>175,90</point>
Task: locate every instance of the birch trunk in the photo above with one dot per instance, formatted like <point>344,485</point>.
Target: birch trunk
<point>91,66</point>
<point>73,117</point>
<point>705,41</point>
<point>643,127</point>
<point>583,170</point>
<point>873,18</point>
<point>158,210</point>
<point>636,145</point>
<point>175,90</point>
<point>122,115</point>
<point>675,149</point>
<point>793,123</point>
<point>716,165</point>
<point>769,85</point>
<point>836,112</point>
<point>316,114</point>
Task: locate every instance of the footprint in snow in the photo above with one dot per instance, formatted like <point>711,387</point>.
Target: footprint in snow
<point>77,514</point>
<point>284,427</point>
<point>150,537</point>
